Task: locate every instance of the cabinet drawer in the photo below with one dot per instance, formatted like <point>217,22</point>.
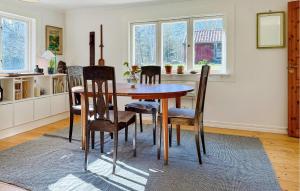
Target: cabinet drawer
<point>6,116</point>
<point>42,108</point>
<point>58,104</point>
<point>67,102</point>
<point>23,112</point>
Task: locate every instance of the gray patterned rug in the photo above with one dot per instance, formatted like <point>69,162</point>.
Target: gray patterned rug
<point>52,163</point>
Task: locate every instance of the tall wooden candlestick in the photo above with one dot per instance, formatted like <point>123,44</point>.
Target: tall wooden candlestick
<point>92,48</point>
<point>101,61</point>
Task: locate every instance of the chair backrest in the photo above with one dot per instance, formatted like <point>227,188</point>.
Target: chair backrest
<point>101,77</point>
<point>150,75</point>
<point>74,78</point>
<point>201,94</point>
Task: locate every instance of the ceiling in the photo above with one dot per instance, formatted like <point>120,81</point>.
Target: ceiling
<point>73,4</point>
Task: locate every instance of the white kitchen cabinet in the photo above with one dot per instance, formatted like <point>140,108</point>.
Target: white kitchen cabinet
<point>67,102</point>
<point>23,112</point>
<point>42,108</point>
<point>58,104</point>
<point>6,116</point>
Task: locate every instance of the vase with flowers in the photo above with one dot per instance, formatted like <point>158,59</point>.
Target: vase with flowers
<point>132,74</point>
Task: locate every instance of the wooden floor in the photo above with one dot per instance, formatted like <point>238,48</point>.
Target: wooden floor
<point>282,150</point>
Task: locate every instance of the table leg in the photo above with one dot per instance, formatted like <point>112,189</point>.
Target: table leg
<point>83,121</point>
<point>165,129</point>
<point>178,105</point>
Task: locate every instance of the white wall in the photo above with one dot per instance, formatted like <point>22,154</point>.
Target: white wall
<point>43,16</point>
<point>254,98</point>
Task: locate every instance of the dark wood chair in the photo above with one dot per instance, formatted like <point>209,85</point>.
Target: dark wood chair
<point>190,117</point>
<point>74,78</point>
<point>149,75</point>
<point>103,119</point>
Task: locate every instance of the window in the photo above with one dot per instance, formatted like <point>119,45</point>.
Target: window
<point>174,47</point>
<point>14,43</point>
<point>144,44</point>
<point>190,42</point>
<point>209,43</point>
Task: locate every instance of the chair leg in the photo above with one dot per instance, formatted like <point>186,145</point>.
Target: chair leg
<point>134,139</point>
<point>93,139</point>
<point>202,137</point>
<point>126,133</point>
<point>71,127</point>
<point>158,133</point>
<point>101,142</point>
<point>141,122</point>
<point>170,135</point>
<point>154,127</point>
<point>197,135</point>
<point>87,145</point>
<point>115,151</point>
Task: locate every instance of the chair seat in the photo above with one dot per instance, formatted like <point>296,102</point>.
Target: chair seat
<point>181,113</point>
<point>77,109</point>
<point>142,106</point>
<point>181,116</point>
<point>125,118</point>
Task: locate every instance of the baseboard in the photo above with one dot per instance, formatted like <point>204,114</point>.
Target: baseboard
<point>32,125</point>
<point>247,127</point>
<point>238,126</point>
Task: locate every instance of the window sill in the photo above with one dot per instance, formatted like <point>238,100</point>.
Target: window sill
<point>196,77</point>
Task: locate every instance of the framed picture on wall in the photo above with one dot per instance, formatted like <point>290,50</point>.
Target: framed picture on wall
<point>270,30</point>
<point>54,39</point>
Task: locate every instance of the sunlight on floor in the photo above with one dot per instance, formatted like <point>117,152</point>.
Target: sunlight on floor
<point>71,182</point>
<point>125,178</point>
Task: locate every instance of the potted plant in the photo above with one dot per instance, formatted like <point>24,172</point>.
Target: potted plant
<point>180,69</point>
<point>51,67</point>
<point>131,74</point>
<point>168,68</point>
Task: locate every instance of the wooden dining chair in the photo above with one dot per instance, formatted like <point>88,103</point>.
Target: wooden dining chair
<point>74,78</point>
<point>190,117</point>
<point>103,119</point>
<point>149,75</point>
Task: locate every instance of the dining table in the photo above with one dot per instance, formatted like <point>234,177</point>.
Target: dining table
<point>164,92</point>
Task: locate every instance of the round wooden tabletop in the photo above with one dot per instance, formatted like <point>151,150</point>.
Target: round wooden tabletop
<point>143,91</point>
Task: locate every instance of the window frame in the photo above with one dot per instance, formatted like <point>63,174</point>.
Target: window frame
<point>190,41</point>
<point>160,23</point>
<point>29,52</point>
<point>132,40</point>
<point>224,53</point>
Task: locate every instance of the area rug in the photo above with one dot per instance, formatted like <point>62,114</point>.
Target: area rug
<point>52,163</point>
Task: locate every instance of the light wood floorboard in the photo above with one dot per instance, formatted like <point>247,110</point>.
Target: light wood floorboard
<point>283,151</point>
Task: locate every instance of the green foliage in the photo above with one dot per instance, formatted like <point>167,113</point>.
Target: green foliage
<point>126,64</point>
<point>126,74</point>
<point>52,63</point>
<point>203,62</point>
<point>53,43</point>
<point>130,71</point>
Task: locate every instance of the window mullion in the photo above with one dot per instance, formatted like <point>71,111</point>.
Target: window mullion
<point>190,45</point>
<point>158,44</point>
<point>131,41</point>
